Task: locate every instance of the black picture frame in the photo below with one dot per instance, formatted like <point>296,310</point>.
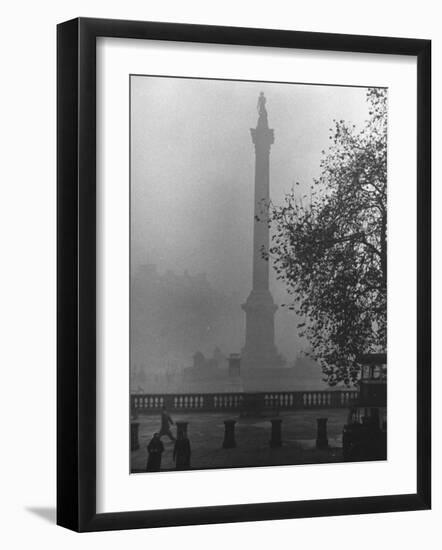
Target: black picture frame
<point>76,273</point>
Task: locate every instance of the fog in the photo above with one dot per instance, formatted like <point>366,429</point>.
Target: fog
<point>192,185</point>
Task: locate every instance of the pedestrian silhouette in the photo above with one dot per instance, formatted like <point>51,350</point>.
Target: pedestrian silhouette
<point>166,422</point>
<point>155,449</point>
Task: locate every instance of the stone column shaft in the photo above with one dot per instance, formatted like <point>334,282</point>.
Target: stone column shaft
<point>260,228</point>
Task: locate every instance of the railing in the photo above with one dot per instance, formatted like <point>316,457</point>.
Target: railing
<point>192,402</point>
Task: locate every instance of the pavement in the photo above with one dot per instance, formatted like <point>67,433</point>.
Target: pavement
<point>252,434</point>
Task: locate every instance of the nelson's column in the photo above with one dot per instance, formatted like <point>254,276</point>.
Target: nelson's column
<point>259,350</point>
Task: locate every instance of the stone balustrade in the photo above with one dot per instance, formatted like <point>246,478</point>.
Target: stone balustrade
<point>213,402</point>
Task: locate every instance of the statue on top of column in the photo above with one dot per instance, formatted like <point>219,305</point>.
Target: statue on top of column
<point>262,109</point>
<point>262,104</point>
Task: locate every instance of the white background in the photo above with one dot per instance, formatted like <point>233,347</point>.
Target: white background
<point>27,232</point>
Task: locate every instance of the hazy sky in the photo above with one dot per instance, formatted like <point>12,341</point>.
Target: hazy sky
<point>192,167</point>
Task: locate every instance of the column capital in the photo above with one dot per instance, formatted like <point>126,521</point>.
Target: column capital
<point>262,138</point>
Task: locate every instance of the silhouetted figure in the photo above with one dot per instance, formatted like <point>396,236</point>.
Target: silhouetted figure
<point>262,104</point>
<point>182,452</point>
<point>166,422</point>
<point>155,450</point>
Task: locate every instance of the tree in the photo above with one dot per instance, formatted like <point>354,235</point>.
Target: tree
<point>331,248</point>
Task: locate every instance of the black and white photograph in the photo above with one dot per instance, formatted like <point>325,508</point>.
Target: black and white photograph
<point>258,273</point>
<point>220,322</point>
